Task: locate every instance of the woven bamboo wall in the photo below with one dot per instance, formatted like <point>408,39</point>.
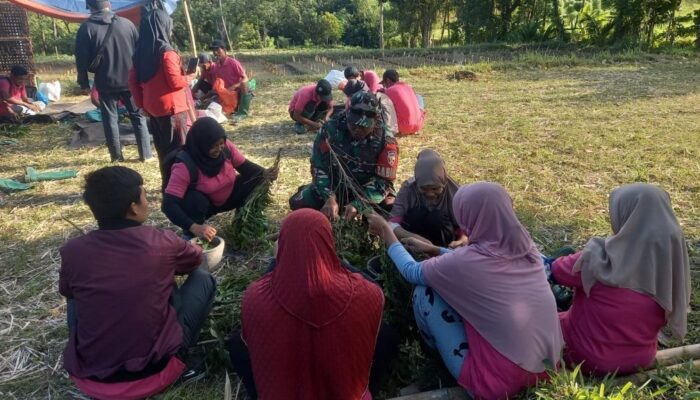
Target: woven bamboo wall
<point>15,42</point>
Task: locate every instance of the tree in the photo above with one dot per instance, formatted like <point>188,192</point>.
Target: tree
<point>418,16</point>
<point>331,28</point>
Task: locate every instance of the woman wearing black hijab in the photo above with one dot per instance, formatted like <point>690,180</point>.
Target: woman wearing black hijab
<point>158,85</point>
<point>209,176</point>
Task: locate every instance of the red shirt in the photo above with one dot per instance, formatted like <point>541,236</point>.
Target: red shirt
<point>408,110</point>
<point>121,281</point>
<point>303,96</point>
<point>230,71</point>
<point>611,328</point>
<point>16,92</point>
<point>217,188</point>
<point>164,94</point>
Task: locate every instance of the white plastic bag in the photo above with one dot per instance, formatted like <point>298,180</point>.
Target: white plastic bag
<point>335,77</point>
<point>52,90</point>
<point>214,111</point>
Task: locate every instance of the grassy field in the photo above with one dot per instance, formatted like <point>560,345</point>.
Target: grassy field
<point>559,131</point>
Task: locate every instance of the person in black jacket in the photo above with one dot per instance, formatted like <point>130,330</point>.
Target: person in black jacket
<point>111,76</point>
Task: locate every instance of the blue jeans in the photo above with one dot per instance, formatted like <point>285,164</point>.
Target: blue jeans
<point>110,123</point>
<point>441,328</point>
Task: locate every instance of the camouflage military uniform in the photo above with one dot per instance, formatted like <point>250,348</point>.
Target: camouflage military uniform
<point>370,163</point>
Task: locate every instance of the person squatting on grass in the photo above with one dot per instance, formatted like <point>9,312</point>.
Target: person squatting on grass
<point>158,84</point>
<point>409,111</point>
<point>389,117</point>
<point>130,326</point>
<point>230,81</point>
<point>111,76</point>
<point>423,207</point>
<point>203,179</point>
<point>487,306</point>
<point>14,102</point>
<point>311,106</point>
<point>353,162</point>
<point>626,286</point>
<point>311,328</point>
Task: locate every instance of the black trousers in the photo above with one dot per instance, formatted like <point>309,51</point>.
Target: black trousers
<point>169,134</point>
<point>199,208</point>
<point>385,352</point>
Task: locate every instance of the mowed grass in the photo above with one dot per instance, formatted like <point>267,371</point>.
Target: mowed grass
<point>558,133</point>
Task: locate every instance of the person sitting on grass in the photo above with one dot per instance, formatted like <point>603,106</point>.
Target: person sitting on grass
<point>230,81</point>
<point>627,286</point>
<point>14,103</point>
<point>310,327</point>
<point>206,76</point>
<point>423,207</point>
<point>203,179</point>
<point>311,106</point>
<point>353,83</point>
<point>486,307</point>
<point>353,162</point>
<point>409,111</point>
<point>130,326</point>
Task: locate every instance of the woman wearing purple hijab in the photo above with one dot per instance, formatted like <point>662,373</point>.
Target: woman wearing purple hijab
<point>487,306</point>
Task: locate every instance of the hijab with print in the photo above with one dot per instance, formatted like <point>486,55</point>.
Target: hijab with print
<point>497,282</point>
<point>203,135</point>
<point>646,253</point>
<point>154,40</point>
<point>310,324</point>
<point>429,170</point>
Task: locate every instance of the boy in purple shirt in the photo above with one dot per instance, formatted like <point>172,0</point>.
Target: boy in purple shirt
<point>130,326</point>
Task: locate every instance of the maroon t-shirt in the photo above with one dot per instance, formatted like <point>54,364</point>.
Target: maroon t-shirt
<point>120,281</point>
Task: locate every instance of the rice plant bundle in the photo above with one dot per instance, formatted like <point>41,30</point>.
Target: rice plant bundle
<point>250,225</point>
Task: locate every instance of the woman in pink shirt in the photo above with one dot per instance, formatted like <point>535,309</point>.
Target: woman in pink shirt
<point>626,286</point>
<point>486,307</point>
<point>209,176</point>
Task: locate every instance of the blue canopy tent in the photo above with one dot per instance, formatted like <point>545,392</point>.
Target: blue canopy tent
<point>76,11</point>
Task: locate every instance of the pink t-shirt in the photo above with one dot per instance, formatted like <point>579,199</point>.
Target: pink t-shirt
<point>611,328</point>
<point>231,71</point>
<point>408,110</point>
<point>303,96</point>
<point>17,92</point>
<point>217,188</point>
<point>487,374</point>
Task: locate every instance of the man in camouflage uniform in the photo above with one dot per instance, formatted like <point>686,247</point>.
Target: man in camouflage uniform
<point>353,163</point>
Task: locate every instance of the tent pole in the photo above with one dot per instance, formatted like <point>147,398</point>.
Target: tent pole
<point>189,26</point>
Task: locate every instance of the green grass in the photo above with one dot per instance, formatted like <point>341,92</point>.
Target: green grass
<point>558,131</point>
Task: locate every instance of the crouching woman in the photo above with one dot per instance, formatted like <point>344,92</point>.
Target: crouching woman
<point>207,177</point>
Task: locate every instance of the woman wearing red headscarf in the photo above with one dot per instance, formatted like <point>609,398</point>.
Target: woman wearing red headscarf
<point>310,325</point>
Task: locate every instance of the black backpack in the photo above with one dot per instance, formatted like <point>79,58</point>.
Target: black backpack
<point>182,156</point>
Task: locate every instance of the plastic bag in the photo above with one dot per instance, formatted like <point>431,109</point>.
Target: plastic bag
<point>51,90</point>
<point>214,111</point>
<point>334,77</point>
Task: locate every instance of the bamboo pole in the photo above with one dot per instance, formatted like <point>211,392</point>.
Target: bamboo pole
<point>189,26</point>
<point>644,376</point>
<point>677,354</point>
